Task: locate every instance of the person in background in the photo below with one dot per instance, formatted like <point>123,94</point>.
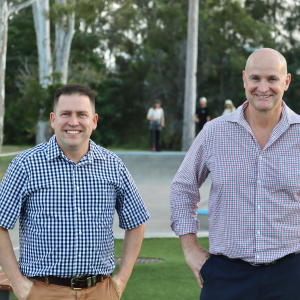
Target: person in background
<point>157,121</point>
<point>202,114</point>
<point>229,107</point>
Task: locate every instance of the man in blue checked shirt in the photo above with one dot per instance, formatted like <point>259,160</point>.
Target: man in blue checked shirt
<point>65,193</point>
<point>253,158</point>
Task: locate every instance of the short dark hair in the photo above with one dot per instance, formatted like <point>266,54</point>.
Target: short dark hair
<point>71,89</point>
<point>156,102</point>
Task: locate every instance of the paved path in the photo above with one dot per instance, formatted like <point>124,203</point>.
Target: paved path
<point>153,174</point>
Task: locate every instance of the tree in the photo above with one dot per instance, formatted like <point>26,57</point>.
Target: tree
<point>64,32</point>
<point>5,12</point>
<point>42,29</point>
<point>190,77</point>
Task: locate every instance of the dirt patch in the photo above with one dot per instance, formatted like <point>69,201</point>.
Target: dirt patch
<point>142,260</point>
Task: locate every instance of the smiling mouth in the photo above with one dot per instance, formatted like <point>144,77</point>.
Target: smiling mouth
<point>72,131</point>
<point>263,97</point>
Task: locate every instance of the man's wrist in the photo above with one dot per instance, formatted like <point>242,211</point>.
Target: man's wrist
<point>205,258</point>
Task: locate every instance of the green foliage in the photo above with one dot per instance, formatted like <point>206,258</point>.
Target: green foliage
<point>146,41</point>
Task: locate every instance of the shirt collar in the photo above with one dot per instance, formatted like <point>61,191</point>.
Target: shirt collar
<point>53,150</point>
<point>288,116</point>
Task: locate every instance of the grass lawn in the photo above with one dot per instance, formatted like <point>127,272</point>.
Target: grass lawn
<point>5,161</point>
<point>171,279</point>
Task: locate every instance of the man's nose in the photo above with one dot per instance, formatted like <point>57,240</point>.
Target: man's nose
<point>73,120</point>
<point>263,86</point>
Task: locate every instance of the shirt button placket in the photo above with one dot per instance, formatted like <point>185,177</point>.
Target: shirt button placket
<point>259,192</point>
<point>76,219</point>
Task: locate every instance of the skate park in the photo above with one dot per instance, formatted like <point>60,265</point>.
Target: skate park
<point>153,173</point>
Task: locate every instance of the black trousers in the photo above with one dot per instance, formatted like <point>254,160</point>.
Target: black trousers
<point>234,279</point>
<point>155,139</point>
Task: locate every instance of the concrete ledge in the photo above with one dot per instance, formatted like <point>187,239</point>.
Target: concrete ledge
<point>152,167</point>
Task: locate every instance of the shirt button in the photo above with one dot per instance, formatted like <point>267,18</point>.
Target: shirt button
<point>79,255</point>
<point>260,157</point>
<point>258,181</point>
<point>257,256</point>
<point>258,232</point>
<point>79,210</point>
<point>80,232</point>
<point>258,206</point>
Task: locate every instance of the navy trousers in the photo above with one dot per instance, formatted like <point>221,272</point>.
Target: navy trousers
<point>235,279</point>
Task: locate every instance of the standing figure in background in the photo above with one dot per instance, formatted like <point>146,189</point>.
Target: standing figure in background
<point>202,114</point>
<point>157,121</point>
<point>229,107</point>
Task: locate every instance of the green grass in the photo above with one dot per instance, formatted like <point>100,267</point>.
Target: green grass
<point>5,161</point>
<point>14,148</point>
<point>171,279</point>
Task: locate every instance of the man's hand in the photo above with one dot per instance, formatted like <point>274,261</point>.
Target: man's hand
<point>131,248</point>
<point>20,284</point>
<point>195,255</point>
<point>121,284</point>
<point>22,288</point>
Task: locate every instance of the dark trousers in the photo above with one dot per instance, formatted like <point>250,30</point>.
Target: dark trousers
<point>155,139</point>
<point>200,127</point>
<point>234,279</point>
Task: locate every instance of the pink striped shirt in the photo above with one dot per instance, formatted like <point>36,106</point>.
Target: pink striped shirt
<point>254,203</point>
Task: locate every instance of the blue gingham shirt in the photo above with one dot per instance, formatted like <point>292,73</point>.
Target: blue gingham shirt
<point>254,203</point>
<point>66,210</point>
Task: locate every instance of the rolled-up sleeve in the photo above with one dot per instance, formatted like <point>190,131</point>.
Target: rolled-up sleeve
<point>184,195</point>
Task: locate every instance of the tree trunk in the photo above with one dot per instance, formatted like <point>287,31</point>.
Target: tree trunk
<point>4,14</point>
<point>64,32</point>
<point>3,46</point>
<point>42,29</point>
<point>190,76</point>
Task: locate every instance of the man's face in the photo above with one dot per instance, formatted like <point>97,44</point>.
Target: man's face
<point>202,103</point>
<point>265,81</point>
<point>73,122</point>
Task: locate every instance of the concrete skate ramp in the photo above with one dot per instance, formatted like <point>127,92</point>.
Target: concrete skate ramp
<point>153,174</point>
<point>152,167</point>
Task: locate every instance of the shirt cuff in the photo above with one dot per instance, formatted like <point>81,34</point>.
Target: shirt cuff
<point>185,226</point>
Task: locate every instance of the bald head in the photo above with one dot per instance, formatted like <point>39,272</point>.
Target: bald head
<point>267,55</point>
<point>265,79</point>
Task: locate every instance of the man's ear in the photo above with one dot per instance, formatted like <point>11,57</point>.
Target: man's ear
<point>95,120</point>
<point>52,119</point>
<point>287,81</point>
<point>244,78</point>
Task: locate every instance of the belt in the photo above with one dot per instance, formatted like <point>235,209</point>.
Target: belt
<point>266,264</point>
<point>76,283</point>
<point>275,261</point>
